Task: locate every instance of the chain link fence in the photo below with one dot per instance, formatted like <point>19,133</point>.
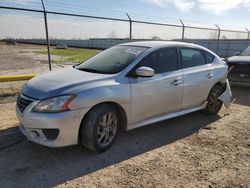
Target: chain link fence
<point>35,39</point>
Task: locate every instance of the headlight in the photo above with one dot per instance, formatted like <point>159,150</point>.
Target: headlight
<point>55,104</point>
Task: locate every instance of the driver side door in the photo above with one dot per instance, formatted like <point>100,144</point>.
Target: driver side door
<point>162,93</point>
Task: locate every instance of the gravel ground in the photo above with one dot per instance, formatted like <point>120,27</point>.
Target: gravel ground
<point>190,151</point>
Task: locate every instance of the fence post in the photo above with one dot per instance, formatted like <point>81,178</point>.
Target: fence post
<point>248,35</point>
<point>130,27</point>
<point>183,30</point>
<point>47,34</point>
<point>218,39</point>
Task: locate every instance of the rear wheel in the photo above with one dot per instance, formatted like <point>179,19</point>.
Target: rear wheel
<point>214,104</point>
<point>99,129</point>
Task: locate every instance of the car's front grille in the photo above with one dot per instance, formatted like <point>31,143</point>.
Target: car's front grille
<point>23,103</point>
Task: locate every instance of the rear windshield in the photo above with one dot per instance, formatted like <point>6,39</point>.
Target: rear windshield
<point>245,52</point>
<point>112,60</point>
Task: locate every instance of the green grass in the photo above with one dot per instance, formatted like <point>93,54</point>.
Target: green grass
<point>70,55</point>
<point>2,42</point>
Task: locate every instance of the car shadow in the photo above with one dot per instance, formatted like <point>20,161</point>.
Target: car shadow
<point>241,95</point>
<point>31,165</point>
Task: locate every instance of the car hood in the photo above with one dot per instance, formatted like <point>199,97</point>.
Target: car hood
<point>60,82</point>
<point>239,59</point>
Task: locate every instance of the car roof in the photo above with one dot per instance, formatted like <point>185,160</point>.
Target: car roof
<point>159,44</point>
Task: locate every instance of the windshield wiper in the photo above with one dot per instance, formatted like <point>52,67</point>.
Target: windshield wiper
<point>76,65</point>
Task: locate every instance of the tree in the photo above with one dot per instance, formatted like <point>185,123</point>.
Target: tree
<point>213,35</point>
<point>156,38</point>
<point>112,35</point>
<point>224,37</point>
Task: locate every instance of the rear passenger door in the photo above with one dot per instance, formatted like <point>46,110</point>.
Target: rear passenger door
<point>198,76</point>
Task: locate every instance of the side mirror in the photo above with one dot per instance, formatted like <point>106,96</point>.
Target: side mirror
<point>144,72</point>
<point>237,53</point>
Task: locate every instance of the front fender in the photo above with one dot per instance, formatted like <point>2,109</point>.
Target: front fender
<point>226,96</point>
<point>87,98</point>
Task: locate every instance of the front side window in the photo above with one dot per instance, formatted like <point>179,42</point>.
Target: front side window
<point>112,60</point>
<point>192,57</point>
<point>163,60</point>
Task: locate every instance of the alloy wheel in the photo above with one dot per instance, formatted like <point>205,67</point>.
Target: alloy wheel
<point>214,102</point>
<point>107,128</point>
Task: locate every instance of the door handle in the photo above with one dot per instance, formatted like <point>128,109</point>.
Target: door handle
<point>176,82</point>
<point>209,75</point>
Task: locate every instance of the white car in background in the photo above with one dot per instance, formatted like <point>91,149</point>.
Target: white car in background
<point>61,46</point>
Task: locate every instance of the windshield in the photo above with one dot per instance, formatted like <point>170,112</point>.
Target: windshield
<point>245,52</point>
<point>112,60</point>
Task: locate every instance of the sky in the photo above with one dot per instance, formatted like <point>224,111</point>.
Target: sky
<point>227,13</point>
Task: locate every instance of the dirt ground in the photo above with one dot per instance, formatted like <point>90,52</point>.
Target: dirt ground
<point>23,59</point>
<point>20,59</point>
<point>194,150</point>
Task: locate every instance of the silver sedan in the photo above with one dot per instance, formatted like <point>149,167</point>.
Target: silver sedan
<point>122,88</point>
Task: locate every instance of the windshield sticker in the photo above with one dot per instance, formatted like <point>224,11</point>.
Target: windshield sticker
<point>134,51</point>
<point>118,64</point>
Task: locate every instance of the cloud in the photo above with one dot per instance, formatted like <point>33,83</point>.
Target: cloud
<point>184,5</point>
<point>211,6</point>
<point>181,5</point>
<point>221,6</point>
<point>24,1</point>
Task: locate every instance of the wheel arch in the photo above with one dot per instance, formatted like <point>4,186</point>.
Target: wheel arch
<point>220,83</point>
<point>118,107</point>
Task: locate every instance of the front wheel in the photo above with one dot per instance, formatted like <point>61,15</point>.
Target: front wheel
<point>214,104</point>
<point>99,128</point>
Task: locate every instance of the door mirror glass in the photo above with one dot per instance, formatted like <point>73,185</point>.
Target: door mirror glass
<point>144,72</point>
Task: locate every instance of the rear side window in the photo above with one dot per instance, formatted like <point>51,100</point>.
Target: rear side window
<point>210,58</point>
<point>163,60</point>
<point>192,57</point>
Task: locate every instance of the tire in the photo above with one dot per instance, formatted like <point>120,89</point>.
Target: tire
<point>214,104</point>
<point>99,129</point>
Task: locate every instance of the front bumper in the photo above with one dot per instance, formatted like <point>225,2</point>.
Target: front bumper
<point>67,124</point>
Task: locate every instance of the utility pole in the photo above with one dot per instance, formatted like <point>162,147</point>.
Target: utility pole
<point>47,35</point>
<point>218,39</point>
<point>130,27</point>
<point>183,30</point>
